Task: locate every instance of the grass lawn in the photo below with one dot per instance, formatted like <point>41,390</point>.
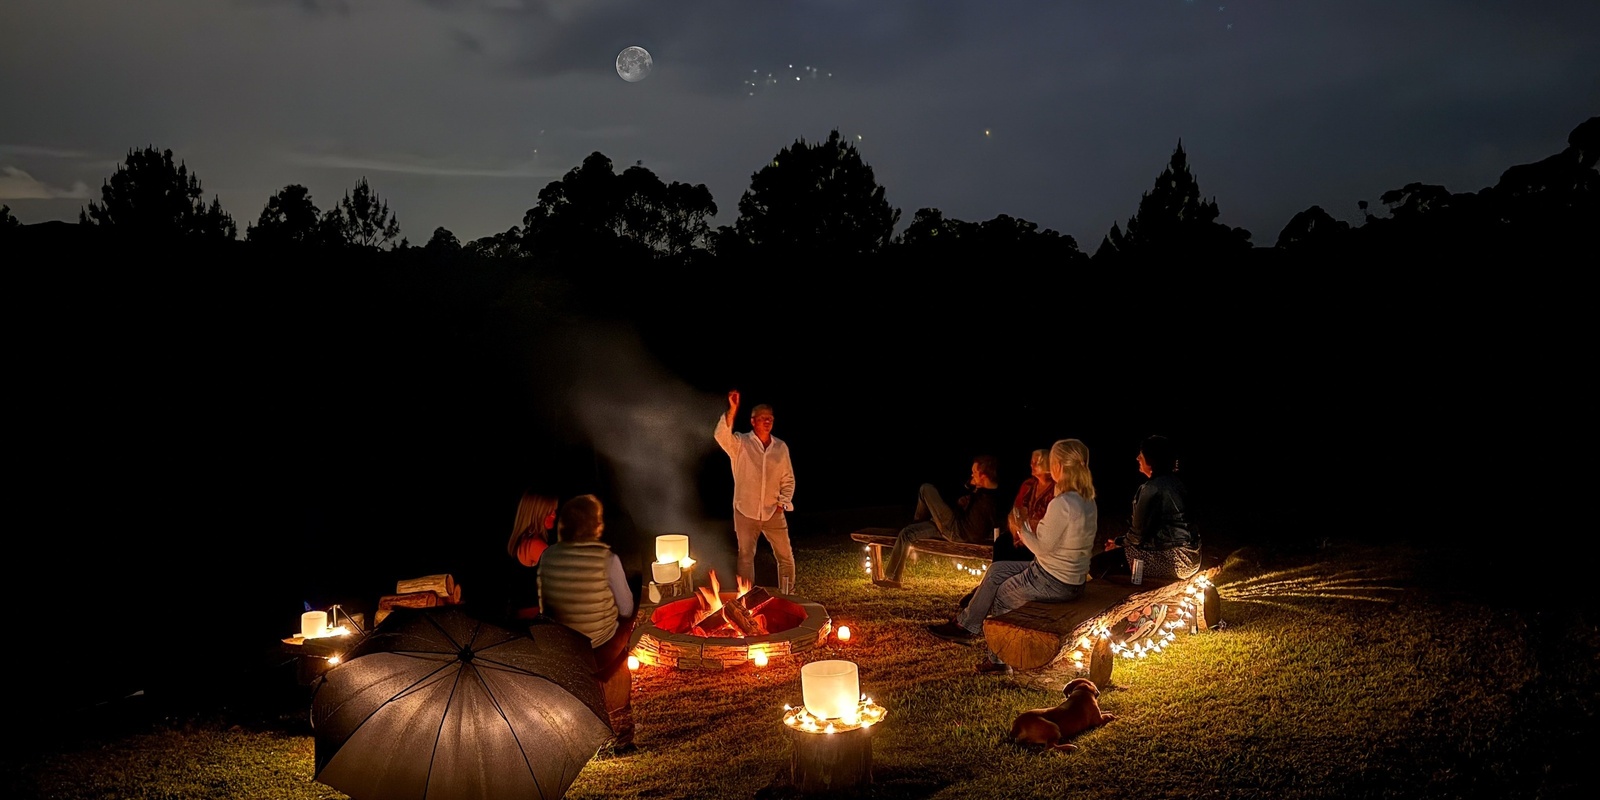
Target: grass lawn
<point>1342,671</point>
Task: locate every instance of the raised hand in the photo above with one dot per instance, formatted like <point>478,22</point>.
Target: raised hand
<point>733,400</point>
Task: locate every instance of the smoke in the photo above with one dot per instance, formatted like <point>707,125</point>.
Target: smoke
<point>654,430</point>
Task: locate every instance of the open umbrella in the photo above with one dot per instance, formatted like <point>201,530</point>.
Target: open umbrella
<point>437,704</point>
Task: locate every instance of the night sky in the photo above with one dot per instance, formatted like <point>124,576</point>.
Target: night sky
<point>1061,113</point>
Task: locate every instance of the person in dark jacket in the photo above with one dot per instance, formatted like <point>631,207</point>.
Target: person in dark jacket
<point>1162,533</point>
<point>976,517</point>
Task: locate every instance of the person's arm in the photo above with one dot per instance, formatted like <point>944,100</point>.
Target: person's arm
<point>786,481</point>
<point>724,430</point>
<point>1040,537</point>
<point>619,587</point>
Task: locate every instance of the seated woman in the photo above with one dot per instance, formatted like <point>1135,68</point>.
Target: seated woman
<point>1162,533</point>
<point>530,536</point>
<point>582,585</point>
<point>1060,543</point>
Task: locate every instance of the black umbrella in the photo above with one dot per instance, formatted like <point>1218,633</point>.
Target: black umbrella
<point>437,704</point>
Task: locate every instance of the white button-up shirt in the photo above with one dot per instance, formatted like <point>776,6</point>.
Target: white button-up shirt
<point>763,478</point>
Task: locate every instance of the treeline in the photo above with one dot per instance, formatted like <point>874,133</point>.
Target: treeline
<point>819,202</point>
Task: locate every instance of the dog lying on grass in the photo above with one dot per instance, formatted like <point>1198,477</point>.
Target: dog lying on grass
<point>1051,727</point>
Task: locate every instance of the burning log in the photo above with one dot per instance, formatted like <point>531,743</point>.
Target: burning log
<point>754,598</point>
<point>740,616</point>
<point>712,622</point>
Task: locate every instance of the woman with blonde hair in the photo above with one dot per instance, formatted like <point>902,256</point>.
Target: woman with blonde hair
<point>530,537</point>
<point>1061,542</point>
<point>530,532</point>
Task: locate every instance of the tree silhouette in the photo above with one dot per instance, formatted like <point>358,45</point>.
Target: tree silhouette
<point>814,199</point>
<point>8,222</point>
<point>291,218</point>
<point>1005,237</point>
<point>362,219</point>
<point>593,209</point>
<point>1314,230</point>
<point>1174,221</point>
<point>151,196</point>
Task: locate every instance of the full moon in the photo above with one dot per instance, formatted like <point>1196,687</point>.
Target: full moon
<point>633,64</point>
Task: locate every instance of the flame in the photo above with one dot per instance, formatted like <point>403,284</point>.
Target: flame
<point>744,586</point>
<point>711,598</point>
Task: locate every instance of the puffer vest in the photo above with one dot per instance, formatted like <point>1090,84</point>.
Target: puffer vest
<point>573,589</point>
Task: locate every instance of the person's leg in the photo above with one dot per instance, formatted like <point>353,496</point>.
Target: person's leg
<point>777,533</point>
<point>746,530</point>
<point>902,547</point>
<point>1032,583</point>
<point>939,512</point>
<point>973,615</point>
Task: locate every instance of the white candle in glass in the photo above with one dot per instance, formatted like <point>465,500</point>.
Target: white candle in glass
<point>831,689</point>
<point>312,623</point>
<point>672,547</point>
<point>666,571</point>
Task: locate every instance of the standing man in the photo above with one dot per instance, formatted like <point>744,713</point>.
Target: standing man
<point>763,488</point>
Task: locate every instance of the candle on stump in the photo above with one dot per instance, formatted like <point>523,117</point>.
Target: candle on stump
<point>672,547</point>
<point>313,623</point>
<point>831,689</point>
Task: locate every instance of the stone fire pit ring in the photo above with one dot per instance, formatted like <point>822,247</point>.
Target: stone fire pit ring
<point>653,644</point>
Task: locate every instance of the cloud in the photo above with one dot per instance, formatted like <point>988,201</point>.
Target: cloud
<point>420,167</point>
<point>45,152</point>
<point>18,185</point>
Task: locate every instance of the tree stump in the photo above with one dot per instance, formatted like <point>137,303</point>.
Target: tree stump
<point>822,762</point>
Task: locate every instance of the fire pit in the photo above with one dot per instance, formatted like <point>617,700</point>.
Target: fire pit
<point>718,630</point>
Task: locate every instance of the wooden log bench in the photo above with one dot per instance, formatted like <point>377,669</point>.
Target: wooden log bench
<point>1113,618</point>
<point>877,539</point>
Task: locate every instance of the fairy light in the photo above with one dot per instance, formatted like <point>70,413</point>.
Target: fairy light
<point>864,715</point>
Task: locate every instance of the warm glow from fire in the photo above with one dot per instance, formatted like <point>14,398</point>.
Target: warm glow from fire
<point>844,633</point>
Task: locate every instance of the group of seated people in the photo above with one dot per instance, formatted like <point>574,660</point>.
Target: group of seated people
<point>1046,553</point>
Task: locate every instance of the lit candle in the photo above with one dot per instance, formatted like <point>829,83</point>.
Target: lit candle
<point>672,547</point>
<point>844,633</point>
<point>666,571</point>
<point>831,689</point>
<point>633,662</point>
<point>312,623</point>
<point>759,656</point>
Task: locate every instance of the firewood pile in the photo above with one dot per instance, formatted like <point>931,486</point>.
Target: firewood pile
<point>424,592</point>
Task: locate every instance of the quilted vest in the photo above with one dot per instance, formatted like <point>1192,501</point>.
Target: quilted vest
<point>573,589</point>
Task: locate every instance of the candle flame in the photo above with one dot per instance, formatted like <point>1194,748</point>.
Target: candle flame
<point>844,633</point>
<point>633,662</point>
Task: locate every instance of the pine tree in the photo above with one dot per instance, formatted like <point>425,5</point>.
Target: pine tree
<point>1175,220</point>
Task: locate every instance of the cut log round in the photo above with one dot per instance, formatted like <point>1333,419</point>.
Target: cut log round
<point>442,584</point>
<point>409,600</point>
<point>824,762</point>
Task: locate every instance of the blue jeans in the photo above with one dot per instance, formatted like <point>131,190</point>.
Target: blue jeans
<point>982,600</point>
<point>1026,585</point>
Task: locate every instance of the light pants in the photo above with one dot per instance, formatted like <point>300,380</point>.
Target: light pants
<point>776,529</point>
<point>934,520</point>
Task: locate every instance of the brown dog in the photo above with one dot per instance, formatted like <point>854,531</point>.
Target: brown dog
<point>1051,727</point>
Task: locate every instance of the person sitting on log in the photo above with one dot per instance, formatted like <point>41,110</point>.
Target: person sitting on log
<point>1060,542</point>
<point>1033,497</point>
<point>582,585</point>
<point>530,537</point>
<point>977,516</point>
<point>1162,533</point>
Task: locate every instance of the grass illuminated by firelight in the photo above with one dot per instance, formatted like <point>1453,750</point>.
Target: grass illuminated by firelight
<point>1338,673</point>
